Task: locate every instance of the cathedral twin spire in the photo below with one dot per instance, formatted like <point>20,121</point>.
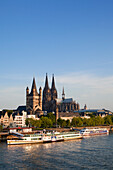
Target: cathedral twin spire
<point>53,83</point>
<point>46,82</point>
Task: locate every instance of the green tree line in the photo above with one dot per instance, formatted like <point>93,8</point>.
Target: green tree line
<point>49,121</point>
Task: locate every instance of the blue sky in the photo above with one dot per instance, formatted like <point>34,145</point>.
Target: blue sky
<point>71,38</point>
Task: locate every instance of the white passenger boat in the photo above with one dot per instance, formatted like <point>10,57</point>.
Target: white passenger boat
<point>71,135</point>
<point>94,131</point>
<point>45,138</point>
<point>27,139</point>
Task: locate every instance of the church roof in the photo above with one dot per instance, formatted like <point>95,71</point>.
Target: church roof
<point>68,100</point>
<point>21,108</point>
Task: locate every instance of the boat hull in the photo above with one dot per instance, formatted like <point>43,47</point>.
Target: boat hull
<point>21,142</point>
<point>94,131</point>
<point>71,138</point>
<point>94,134</point>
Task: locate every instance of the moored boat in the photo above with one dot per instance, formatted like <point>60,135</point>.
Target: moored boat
<point>45,138</point>
<point>94,131</point>
<point>71,135</point>
<point>26,139</point>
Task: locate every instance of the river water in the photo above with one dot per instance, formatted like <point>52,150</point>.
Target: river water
<point>88,153</point>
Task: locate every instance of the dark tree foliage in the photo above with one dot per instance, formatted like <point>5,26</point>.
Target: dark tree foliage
<point>1,127</point>
<point>49,121</point>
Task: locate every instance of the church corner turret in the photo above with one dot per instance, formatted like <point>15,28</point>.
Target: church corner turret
<point>63,94</point>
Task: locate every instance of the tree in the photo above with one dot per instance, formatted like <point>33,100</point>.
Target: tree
<point>92,115</point>
<point>46,122</point>
<point>30,122</point>
<point>1,127</point>
<point>112,119</point>
<point>98,120</point>
<point>77,122</point>
<point>68,123</point>
<point>108,120</point>
<point>85,122</point>
<point>52,117</point>
<point>38,123</point>
<point>61,122</point>
<point>27,122</point>
<point>91,122</point>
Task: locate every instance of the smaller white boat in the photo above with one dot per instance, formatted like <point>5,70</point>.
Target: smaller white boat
<point>94,131</point>
<point>71,135</point>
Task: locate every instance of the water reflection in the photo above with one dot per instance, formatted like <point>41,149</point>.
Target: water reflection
<point>89,153</point>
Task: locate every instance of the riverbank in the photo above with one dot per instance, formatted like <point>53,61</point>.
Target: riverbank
<point>6,135</point>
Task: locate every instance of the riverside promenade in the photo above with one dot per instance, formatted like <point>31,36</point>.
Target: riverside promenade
<point>4,135</point>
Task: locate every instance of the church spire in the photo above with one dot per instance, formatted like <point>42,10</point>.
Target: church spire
<point>63,94</point>
<point>53,83</point>
<point>34,86</point>
<point>46,82</point>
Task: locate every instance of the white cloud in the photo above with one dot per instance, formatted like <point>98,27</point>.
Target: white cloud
<point>82,80</point>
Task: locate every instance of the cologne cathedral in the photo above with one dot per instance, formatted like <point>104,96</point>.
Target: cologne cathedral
<point>48,101</point>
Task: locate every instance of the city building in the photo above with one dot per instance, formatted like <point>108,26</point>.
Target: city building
<point>49,96</point>
<point>51,100</point>
<point>96,112</point>
<point>16,119</point>
<point>19,120</point>
<point>34,99</point>
<point>6,119</point>
<point>68,116</point>
<point>67,104</point>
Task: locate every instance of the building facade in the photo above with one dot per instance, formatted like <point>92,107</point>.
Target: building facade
<point>6,120</point>
<point>33,99</point>
<point>49,96</point>
<point>16,120</point>
<point>67,104</point>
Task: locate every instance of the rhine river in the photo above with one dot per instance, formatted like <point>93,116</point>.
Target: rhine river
<point>89,153</point>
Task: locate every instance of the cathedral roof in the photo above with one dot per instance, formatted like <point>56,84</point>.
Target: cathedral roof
<point>68,100</point>
<point>33,88</point>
